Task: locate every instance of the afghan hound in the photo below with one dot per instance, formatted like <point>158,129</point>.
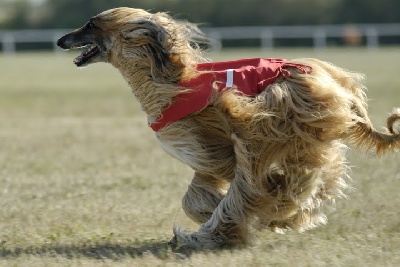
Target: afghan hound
<point>266,137</point>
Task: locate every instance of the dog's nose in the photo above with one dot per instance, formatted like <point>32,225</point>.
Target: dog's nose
<point>63,42</point>
<point>60,42</point>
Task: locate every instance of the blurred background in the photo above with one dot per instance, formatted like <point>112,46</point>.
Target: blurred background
<point>84,181</point>
<point>231,23</point>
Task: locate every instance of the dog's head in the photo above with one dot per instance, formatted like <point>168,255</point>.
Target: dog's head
<point>136,38</point>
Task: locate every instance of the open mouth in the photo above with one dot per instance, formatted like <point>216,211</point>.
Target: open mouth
<point>90,51</point>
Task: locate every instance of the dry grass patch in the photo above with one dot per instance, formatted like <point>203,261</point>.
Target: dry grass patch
<point>84,182</point>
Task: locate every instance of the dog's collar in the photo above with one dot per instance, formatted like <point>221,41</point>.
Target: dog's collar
<point>250,76</point>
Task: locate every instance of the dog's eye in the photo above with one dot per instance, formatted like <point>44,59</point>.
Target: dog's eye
<point>90,25</point>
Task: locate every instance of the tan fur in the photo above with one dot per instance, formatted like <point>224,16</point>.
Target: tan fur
<point>266,162</point>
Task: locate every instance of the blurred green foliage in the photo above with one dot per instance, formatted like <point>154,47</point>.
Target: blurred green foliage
<point>73,13</point>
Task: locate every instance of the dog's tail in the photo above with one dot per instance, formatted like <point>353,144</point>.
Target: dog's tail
<point>366,136</point>
<point>362,132</point>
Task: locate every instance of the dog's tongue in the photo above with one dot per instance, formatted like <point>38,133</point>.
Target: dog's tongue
<point>78,60</point>
<point>89,52</point>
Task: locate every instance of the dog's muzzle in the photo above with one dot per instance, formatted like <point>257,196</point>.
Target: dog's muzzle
<point>91,50</point>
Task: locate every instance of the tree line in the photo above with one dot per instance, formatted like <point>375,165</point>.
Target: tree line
<point>73,13</point>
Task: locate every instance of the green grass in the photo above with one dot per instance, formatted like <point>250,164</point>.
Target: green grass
<point>84,182</point>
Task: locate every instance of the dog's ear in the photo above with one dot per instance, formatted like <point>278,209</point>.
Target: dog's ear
<point>154,43</point>
<point>144,28</point>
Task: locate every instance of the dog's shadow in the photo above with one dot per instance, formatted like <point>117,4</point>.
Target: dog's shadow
<point>100,251</point>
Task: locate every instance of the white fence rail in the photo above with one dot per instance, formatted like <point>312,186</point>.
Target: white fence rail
<point>267,35</point>
<point>319,34</point>
<point>9,39</point>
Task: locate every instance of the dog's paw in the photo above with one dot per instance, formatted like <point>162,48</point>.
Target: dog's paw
<point>183,240</point>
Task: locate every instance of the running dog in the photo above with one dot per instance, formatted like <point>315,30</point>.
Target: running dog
<point>266,138</point>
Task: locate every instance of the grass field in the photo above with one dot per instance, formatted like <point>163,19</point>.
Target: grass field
<point>84,182</point>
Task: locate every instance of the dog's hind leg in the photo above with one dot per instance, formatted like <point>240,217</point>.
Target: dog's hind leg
<point>203,196</point>
<point>297,197</point>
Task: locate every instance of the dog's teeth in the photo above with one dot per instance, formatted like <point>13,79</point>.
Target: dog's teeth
<point>89,51</point>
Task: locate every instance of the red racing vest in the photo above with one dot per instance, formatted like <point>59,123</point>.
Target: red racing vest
<point>250,76</point>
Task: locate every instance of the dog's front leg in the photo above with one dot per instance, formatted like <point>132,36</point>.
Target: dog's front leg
<point>228,224</point>
<point>203,196</point>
